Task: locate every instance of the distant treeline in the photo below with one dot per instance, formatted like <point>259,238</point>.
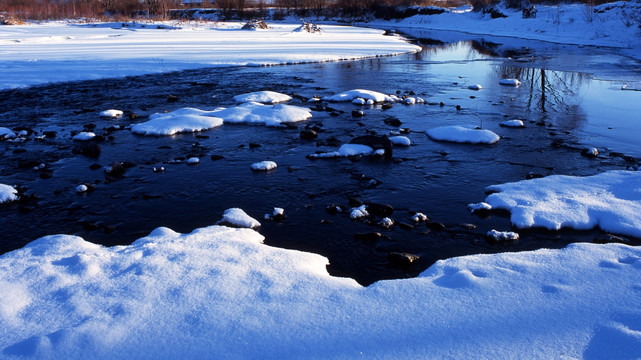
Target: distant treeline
<point>243,9</point>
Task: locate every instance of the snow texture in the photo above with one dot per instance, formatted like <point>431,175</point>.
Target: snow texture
<point>258,114</point>
<point>610,201</point>
<point>461,134</point>
<point>351,95</point>
<point>178,121</point>
<point>239,218</point>
<point>218,290</point>
<point>84,136</point>
<point>264,166</point>
<point>8,193</point>
<point>264,97</point>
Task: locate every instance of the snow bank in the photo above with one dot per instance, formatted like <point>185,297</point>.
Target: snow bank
<point>610,201</point>
<point>264,97</point>
<point>220,291</point>
<point>259,114</point>
<point>178,121</point>
<point>58,51</point>
<point>8,193</point>
<point>461,134</point>
<point>358,93</point>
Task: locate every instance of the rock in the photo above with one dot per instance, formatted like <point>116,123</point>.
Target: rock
<point>50,134</point>
<point>590,152</point>
<point>435,226</point>
<point>532,175</point>
<point>333,209</point>
<point>382,210</point>
<point>376,143</point>
<point>468,226</point>
<point>406,226</point>
<point>46,174</point>
<point>88,149</point>
<point>216,157</point>
<point>387,106</point>
<point>253,145</point>
<point>172,98</point>
<point>392,121</point>
<point>609,238</point>
<point>95,166</point>
<point>401,259</point>
<point>308,134</point>
<point>369,236</point>
<point>358,113</point>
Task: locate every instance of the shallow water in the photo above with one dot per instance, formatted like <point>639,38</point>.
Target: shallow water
<point>571,97</point>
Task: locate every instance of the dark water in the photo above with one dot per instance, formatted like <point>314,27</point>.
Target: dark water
<point>566,103</point>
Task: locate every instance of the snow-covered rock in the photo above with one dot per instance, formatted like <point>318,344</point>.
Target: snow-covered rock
<point>461,134</point>
<point>510,82</point>
<point>359,212</point>
<point>513,123</point>
<point>82,188</point>
<point>239,218</point>
<point>264,97</point>
<point>192,161</point>
<point>400,140</point>
<point>350,95</point>
<point>8,193</point>
<point>111,113</point>
<point>178,121</point>
<point>264,166</point>
<point>502,236</point>
<point>475,87</point>
<point>348,150</point>
<point>84,136</point>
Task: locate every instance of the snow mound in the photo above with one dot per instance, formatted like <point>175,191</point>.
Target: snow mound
<point>84,136</point>
<point>513,124</point>
<point>359,93</point>
<point>475,87</point>
<point>500,236</point>
<point>264,166</point>
<point>346,150</point>
<point>111,113</point>
<point>264,97</point>
<point>610,201</point>
<point>239,218</point>
<point>359,212</point>
<point>178,121</point>
<point>259,114</point>
<point>192,161</point>
<point>461,134</point>
<point>8,193</point>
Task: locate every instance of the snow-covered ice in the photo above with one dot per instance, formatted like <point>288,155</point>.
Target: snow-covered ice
<point>609,200</point>
<point>264,166</point>
<point>178,121</point>
<point>461,134</point>
<point>219,290</point>
<point>59,51</point>
<point>8,193</point>
<point>264,97</point>
<point>84,136</point>
<point>258,114</point>
<point>111,113</point>
<point>351,95</point>
<point>239,218</point>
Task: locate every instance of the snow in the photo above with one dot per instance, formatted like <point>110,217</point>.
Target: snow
<point>359,212</point>
<point>609,200</point>
<point>348,150</point>
<point>239,218</point>
<point>510,82</point>
<point>6,133</point>
<point>482,206</point>
<point>461,134</point>
<point>502,235</point>
<point>419,217</point>
<point>475,87</point>
<point>400,140</point>
<point>264,97</point>
<point>512,123</point>
<point>82,188</point>
<point>219,290</point>
<point>264,166</point>
<point>61,51</point>
<point>259,114</point>
<point>178,121</point>
<point>7,193</point>
<point>111,113</point>
<point>351,95</point>
<point>84,136</point>
<point>192,161</point>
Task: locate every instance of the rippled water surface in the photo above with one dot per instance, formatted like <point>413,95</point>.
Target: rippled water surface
<point>570,97</point>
